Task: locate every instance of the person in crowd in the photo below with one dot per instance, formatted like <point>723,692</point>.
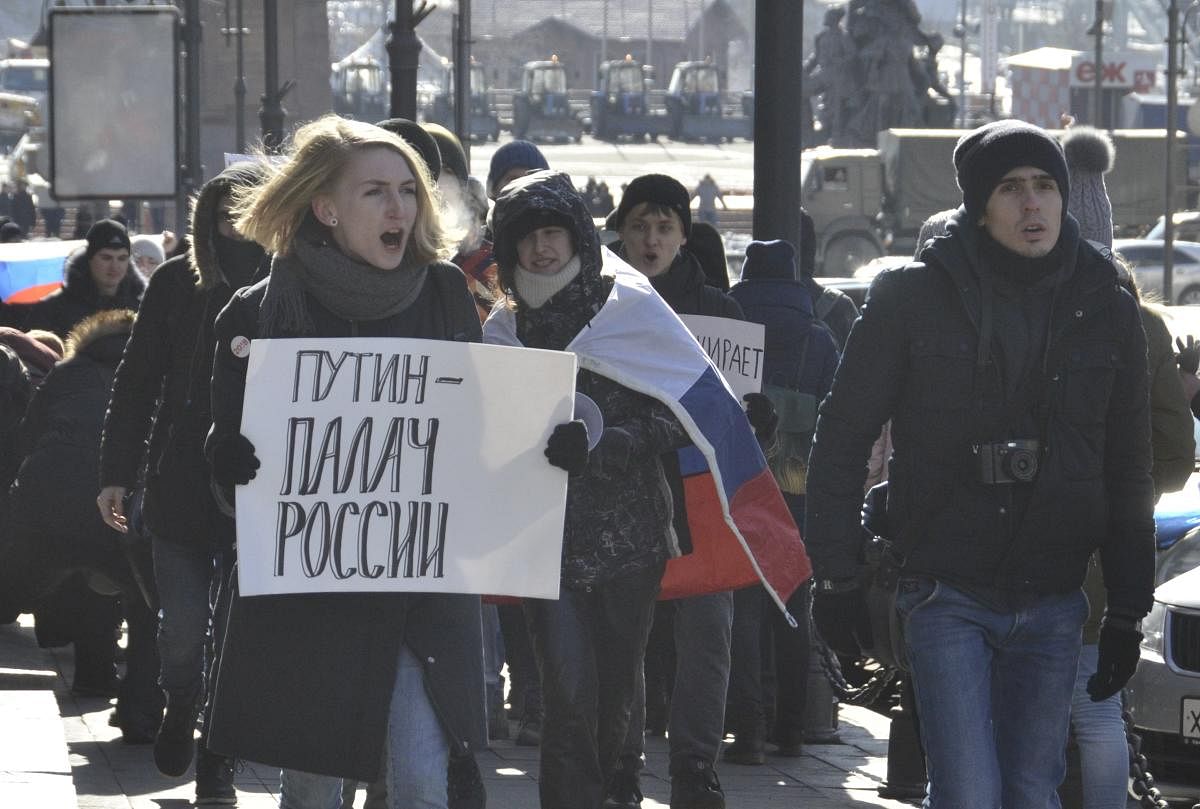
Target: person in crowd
<point>831,306</point>
<point>709,193</point>
<point>1013,368</point>
<point>6,200</point>
<point>800,355</point>
<point>146,253</point>
<point>655,223</point>
<point>591,641</point>
<point>510,161</point>
<point>354,227</point>
<point>54,531</point>
<point>1097,726</point>
<point>158,418</point>
<point>24,212</point>
<point>10,233</point>
<point>706,244</point>
<point>52,213</point>
<point>97,278</point>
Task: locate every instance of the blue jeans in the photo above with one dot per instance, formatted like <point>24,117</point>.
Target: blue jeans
<point>1100,733</point>
<point>993,692</point>
<point>418,754</point>
<point>188,579</point>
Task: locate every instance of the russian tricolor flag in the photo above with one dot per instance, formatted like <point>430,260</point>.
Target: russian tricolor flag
<point>742,531</point>
<point>29,271</point>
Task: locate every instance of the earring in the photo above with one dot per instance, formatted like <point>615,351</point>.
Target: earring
<point>333,222</point>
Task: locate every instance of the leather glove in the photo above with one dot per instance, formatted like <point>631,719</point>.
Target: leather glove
<point>842,620</point>
<point>760,411</point>
<point>1120,648</point>
<point>233,461</point>
<point>1189,354</point>
<point>567,447</point>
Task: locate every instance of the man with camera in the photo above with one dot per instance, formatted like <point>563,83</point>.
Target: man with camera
<point>1013,369</point>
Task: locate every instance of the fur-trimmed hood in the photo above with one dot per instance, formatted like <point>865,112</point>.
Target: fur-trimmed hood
<point>202,255</point>
<point>101,336</point>
<point>1088,150</point>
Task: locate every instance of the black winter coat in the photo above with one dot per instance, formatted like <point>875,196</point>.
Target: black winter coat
<point>913,357</point>
<point>53,501</point>
<point>304,681</point>
<point>685,289</point>
<point>78,297</point>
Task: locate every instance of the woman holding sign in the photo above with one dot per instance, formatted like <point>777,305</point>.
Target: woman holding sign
<point>323,685</point>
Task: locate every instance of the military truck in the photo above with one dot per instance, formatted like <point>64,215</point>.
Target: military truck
<point>866,203</point>
<point>694,104</point>
<point>541,110</point>
<point>482,121</point>
<point>618,104</point>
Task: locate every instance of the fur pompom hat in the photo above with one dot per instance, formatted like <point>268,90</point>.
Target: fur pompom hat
<point>1090,155</point>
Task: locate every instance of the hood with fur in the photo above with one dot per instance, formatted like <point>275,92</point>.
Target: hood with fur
<point>102,335</point>
<point>202,255</point>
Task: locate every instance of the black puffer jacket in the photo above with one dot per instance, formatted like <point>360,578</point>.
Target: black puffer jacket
<point>53,500</point>
<point>78,297</point>
<point>617,525</point>
<point>912,357</point>
<point>160,408</point>
<point>685,289</point>
<point>304,681</point>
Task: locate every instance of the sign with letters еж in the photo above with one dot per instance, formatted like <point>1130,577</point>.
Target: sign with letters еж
<point>402,466</point>
<point>734,346</point>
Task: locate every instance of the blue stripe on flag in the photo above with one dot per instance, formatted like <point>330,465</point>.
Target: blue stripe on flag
<point>723,422</point>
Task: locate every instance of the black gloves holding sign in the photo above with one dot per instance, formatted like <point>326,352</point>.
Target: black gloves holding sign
<point>233,460</point>
<point>567,448</point>
<point>1120,647</point>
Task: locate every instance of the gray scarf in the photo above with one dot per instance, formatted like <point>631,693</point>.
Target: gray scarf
<point>348,288</point>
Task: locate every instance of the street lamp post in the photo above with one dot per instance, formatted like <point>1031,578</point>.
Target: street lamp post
<point>1172,114</point>
<point>962,66</point>
<point>1097,104</point>
<point>239,84</point>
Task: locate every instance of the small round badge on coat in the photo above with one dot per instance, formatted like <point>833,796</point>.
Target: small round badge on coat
<point>240,346</point>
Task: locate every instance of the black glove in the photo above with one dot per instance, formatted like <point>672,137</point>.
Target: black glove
<point>842,620</point>
<point>1189,354</point>
<point>1120,647</point>
<point>233,461</point>
<point>568,447</point>
<point>760,411</point>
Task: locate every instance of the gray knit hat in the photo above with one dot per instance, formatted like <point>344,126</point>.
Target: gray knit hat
<point>1090,155</point>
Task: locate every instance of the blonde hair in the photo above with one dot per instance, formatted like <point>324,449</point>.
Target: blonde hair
<point>272,213</point>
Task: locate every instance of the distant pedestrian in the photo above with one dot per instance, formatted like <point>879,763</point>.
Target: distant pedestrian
<point>708,193</point>
<point>24,212</point>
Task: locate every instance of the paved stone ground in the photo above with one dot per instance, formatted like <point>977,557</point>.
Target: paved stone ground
<point>58,752</point>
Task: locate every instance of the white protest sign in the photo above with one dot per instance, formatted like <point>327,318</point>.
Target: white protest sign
<point>734,346</point>
<point>403,466</point>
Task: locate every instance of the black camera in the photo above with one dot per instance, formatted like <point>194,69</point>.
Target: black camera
<point>1013,461</point>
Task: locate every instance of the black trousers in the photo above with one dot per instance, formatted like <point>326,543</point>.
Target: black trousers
<point>590,645</point>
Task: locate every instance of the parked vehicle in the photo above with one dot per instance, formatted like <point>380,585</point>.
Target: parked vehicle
<point>18,114</point>
<point>360,88</point>
<point>1145,256</point>
<point>694,104</point>
<point>1187,227</point>
<point>541,111</point>
<point>867,202</point>
<point>27,77</point>
<point>482,121</point>
<point>618,104</point>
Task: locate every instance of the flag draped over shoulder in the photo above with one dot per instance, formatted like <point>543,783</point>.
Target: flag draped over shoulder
<point>742,531</point>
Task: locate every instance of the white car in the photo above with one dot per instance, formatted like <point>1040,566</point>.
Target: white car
<point>1145,256</point>
<point>1164,695</point>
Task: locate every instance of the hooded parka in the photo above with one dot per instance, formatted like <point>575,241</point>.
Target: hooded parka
<point>160,410</point>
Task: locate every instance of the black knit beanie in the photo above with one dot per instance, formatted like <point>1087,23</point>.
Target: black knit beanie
<point>983,157</point>
<point>450,147</point>
<point>106,234</point>
<point>658,189</point>
<point>411,133</point>
<point>773,259</point>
